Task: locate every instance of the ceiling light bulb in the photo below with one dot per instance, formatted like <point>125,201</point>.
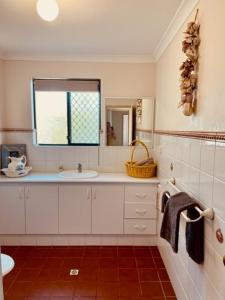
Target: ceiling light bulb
<point>48,10</point>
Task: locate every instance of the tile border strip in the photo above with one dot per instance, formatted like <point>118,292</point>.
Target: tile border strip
<point>16,130</point>
<point>207,135</point>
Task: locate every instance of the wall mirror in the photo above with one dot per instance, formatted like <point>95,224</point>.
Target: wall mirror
<point>128,119</point>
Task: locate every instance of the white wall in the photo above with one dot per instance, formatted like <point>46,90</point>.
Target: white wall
<point>211,92</point>
<point>1,95</point>
<point>1,286</point>
<point>117,80</point>
<point>1,99</point>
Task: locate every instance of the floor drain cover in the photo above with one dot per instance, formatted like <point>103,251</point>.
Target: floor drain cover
<point>74,272</point>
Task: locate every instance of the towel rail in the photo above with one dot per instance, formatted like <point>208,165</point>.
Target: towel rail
<point>207,213</point>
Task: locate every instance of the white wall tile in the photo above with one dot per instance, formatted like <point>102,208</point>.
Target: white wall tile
<point>93,156</point>
<point>67,154</point>
<point>38,165</point>
<point>215,269</point>
<point>211,227</point>
<point>206,189</point>
<point>194,173</point>
<point>195,153</point>
<point>219,168</point>
<point>52,166</point>
<point>218,197</point>
<point>193,182</point>
<point>185,149</point>
<point>207,156</point>
<point>184,175</point>
<point>52,153</point>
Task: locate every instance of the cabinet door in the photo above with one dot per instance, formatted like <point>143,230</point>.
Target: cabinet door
<point>12,209</point>
<point>41,208</point>
<point>107,208</point>
<point>74,208</point>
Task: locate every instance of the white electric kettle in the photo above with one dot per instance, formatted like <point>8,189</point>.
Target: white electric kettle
<point>17,163</point>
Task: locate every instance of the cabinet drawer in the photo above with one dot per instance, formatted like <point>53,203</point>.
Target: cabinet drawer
<point>139,226</point>
<point>140,210</point>
<point>140,193</point>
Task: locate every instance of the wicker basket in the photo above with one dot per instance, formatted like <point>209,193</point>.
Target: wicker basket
<point>145,171</point>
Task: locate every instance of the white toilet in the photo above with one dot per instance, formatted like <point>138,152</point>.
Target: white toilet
<point>7,264</point>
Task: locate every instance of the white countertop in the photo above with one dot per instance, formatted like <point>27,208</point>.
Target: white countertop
<point>102,177</point>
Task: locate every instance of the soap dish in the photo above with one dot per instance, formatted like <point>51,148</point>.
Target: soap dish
<point>15,174</point>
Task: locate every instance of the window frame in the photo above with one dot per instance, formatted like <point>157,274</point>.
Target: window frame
<point>68,105</point>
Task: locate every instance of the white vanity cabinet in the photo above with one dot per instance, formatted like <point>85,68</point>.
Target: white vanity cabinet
<point>12,208</point>
<point>107,208</point>
<point>41,202</point>
<point>140,209</point>
<point>78,208</point>
<point>74,208</point>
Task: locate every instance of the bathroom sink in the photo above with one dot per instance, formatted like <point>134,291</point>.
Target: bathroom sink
<point>74,174</point>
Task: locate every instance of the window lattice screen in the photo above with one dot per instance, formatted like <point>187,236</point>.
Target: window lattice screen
<point>85,117</point>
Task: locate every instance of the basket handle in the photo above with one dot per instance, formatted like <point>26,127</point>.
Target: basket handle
<point>136,142</point>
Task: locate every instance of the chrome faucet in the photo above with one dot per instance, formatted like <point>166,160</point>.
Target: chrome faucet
<point>79,168</point>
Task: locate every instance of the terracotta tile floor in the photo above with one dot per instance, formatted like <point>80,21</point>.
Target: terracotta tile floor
<point>105,273</point>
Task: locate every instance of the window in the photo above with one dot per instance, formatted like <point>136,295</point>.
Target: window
<point>67,111</point>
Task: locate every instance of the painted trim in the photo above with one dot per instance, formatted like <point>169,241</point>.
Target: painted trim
<point>79,58</point>
<point>181,15</point>
<point>144,130</point>
<point>207,135</point>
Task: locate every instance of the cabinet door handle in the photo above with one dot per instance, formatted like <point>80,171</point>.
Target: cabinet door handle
<point>140,227</point>
<point>141,211</point>
<point>138,195</point>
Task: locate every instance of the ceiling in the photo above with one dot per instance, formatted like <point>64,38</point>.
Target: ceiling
<point>85,28</point>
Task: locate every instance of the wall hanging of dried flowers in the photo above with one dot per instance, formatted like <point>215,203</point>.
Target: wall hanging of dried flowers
<point>189,76</point>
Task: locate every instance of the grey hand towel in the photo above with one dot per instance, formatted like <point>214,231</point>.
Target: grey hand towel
<point>164,199</point>
<point>171,218</point>
<point>195,236</point>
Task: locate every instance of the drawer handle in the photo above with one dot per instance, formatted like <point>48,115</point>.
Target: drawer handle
<point>141,211</point>
<point>141,195</point>
<point>140,227</point>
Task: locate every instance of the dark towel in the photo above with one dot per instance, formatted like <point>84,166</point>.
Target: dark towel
<point>195,236</point>
<point>164,199</point>
<point>171,218</point>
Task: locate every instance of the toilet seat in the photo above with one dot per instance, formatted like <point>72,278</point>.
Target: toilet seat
<point>7,264</point>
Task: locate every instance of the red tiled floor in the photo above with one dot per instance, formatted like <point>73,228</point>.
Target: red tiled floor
<point>168,289</point>
<point>86,289</point>
<point>130,289</point>
<point>152,289</point>
<point>163,275</point>
<point>159,263</point>
<point>125,251</point>
<point>145,262</point>
<point>155,251</point>
<point>128,275</point>
<point>105,273</point>
<point>126,262</point>
<point>148,275</point>
<point>107,289</point>
<point>108,274</point>
<point>142,252</point>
